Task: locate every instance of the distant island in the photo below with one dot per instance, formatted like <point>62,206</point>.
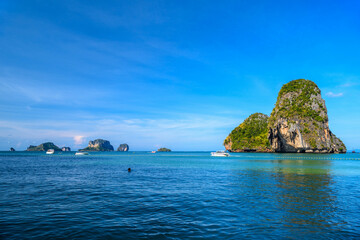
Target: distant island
<point>100,145</point>
<point>66,149</point>
<point>43,147</point>
<point>163,150</point>
<point>123,147</point>
<point>297,124</point>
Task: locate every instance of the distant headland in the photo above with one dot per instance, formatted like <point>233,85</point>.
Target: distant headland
<point>297,124</point>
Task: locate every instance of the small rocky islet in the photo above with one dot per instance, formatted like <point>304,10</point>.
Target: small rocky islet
<point>298,123</point>
<point>163,149</point>
<point>123,148</point>
<point>66,149</point>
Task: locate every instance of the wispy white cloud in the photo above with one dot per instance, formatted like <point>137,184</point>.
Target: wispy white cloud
<point>28,86</point>
<point>333,95</point>
<point>33,93</point>
<point>78,140</point>
<point>344,80</point>
<point>349,84</point>
<point>110,16</point>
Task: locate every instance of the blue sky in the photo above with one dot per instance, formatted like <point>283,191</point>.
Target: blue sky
<point>178,74</point>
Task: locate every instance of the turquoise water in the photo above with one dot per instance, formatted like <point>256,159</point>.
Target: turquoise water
<point>179,195</point>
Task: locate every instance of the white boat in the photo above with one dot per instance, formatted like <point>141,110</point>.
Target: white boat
<point>50,151</point>
<point>153,151</point>
<point>220,154</point>
<point>81,153</point>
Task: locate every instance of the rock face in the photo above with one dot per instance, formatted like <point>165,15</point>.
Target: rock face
<point>99,145</point>
<point>250,136</point>
<point>164,150</point>
<point>12,150</point>
<point>299,121</point>
<point>123,147</point>
<point>66,149</point>
<point>43,147</point>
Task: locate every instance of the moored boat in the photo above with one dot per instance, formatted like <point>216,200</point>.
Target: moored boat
<point>81,153</point>
<point>220,154</point>
<point>50,151</point>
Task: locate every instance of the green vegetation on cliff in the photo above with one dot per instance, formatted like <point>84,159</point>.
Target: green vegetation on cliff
<point>251,134</point>
<point>295,101</point>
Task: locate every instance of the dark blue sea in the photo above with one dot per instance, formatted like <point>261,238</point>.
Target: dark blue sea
<point>179,195</point>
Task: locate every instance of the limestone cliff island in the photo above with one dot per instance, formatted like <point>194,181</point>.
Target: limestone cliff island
<point>123,147</point>
<point>298,123</point>
<point>66,149</point>
<point>100,145</point>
